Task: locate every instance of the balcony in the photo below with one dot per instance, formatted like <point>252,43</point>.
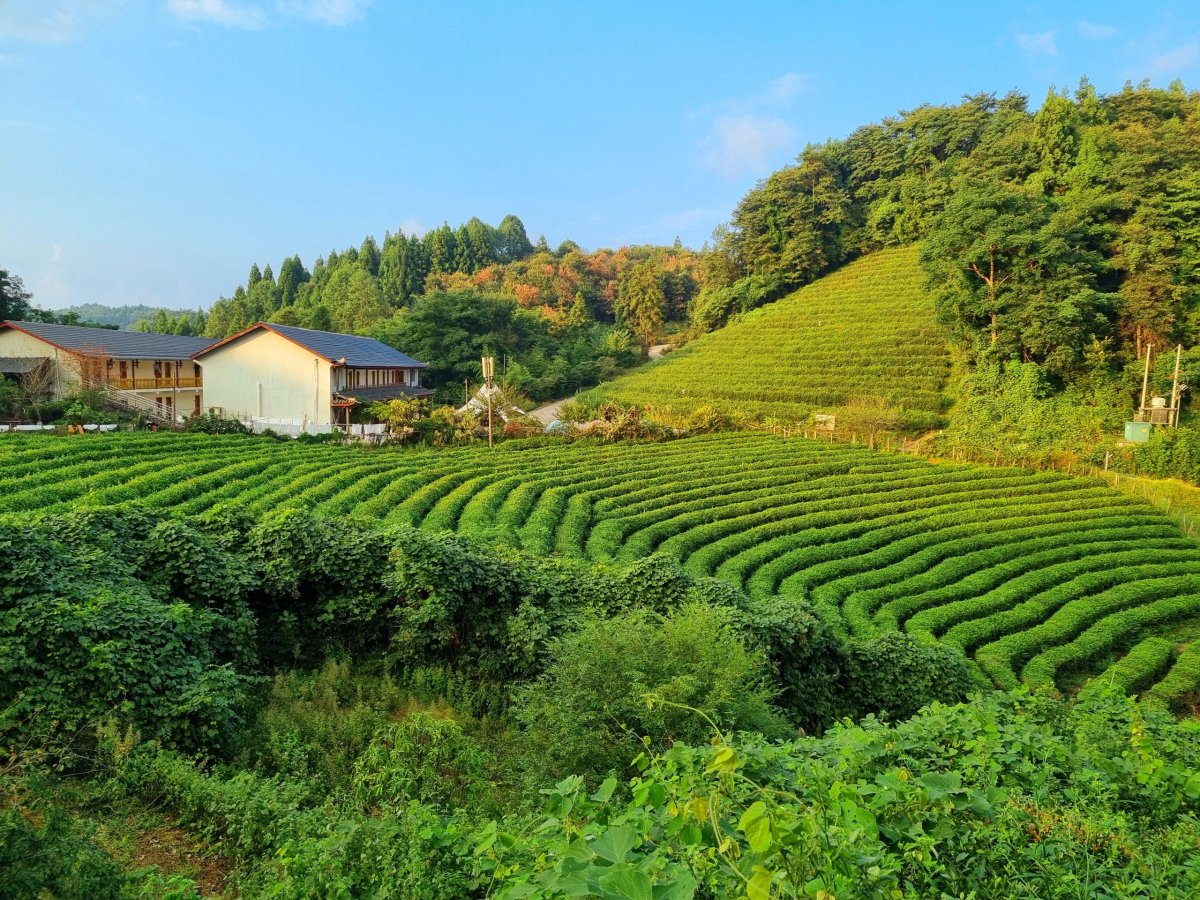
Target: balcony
<point>154,384</point>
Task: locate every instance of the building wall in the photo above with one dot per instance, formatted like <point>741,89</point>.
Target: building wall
<point>264,375</point>
<point>18,343</point>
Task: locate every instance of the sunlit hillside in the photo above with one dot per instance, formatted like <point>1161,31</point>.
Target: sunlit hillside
<point>863,332</point>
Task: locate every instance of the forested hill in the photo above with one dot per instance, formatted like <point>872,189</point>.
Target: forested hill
<point>119,316</point>
<point>1065,237</point>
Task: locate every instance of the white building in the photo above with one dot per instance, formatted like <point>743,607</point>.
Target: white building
<point>297,377</point>
<point>157,368</point>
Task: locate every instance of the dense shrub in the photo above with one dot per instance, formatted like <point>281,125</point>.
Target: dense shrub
<point>897,674</point>
<point>616,681</point>
<point>80,642</point>
<point>44,852</point>
<point>1012,412</point>
<point>1170,453</point>
<point>313,725</point>
<point>281,831</point>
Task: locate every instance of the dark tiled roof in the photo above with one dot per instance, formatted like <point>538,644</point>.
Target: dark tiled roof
<point>116,344</point>
<point>357,351</point>
<point>19,365</point>
<point>383,392</point>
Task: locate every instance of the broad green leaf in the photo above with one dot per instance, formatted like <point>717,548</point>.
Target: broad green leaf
<point>756,825</point>
<point>759,886</point>
<point>516,891</point>
<point>615,843</point>
<point>605,791</point>
<point>940,786</point>
<point>624,882</point>
<point>682,887</point>
<point>725,760</point>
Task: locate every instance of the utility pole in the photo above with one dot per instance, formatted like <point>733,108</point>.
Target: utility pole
<point>1146,378</point>
<point>489,370</point>
<point>1175,398</point>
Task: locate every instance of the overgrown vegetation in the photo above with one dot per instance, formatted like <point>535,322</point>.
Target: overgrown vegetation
<point>572,675</point>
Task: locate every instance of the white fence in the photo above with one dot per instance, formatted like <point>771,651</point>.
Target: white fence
<point>293,428</point>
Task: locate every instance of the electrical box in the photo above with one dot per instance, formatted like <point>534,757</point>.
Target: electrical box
<point>1137,432</point>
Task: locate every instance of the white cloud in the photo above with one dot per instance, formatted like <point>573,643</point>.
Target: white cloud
<point>1040,43</point>
<point>257,13</point>
<point>1173,62</point>
<point>56,253</point>
<point>745,144</point>
<point>220,12</point>
<point>784,88</point>
<point>52,289</point>
<point>329,12</point>
<point>412,227</point>
<point>48,21</point>
<point>747,134</point>
<point>688,217</point>
<point>1095,31</point>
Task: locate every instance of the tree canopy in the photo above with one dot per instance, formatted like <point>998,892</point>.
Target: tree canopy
<point>1044,233</point>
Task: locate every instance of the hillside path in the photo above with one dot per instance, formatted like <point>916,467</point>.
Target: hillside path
<point>548,413</point>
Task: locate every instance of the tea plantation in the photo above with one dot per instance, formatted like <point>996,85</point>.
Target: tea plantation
<point>1038,578</point>
<point>866,331</point>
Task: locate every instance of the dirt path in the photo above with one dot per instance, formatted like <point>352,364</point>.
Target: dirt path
<point>548,413</point>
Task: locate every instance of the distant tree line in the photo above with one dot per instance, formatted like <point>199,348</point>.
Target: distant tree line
<point>354,289</point>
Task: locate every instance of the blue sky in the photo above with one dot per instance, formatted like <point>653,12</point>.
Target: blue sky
<point>150,150</point>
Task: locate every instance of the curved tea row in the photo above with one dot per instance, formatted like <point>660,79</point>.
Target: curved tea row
<point>1037,577</point>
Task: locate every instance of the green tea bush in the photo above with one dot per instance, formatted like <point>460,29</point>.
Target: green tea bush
<point>868,329</point>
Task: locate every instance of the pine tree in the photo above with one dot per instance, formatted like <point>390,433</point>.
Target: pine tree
<point>292,275</point>
<point>512,243</point>
<point>369,256</point>
<point>464,252</point>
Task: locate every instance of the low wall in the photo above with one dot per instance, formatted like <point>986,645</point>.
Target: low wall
<point>294,428</point>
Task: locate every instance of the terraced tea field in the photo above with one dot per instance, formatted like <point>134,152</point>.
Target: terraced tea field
<point>865,331</point>
<point>1038,577</point>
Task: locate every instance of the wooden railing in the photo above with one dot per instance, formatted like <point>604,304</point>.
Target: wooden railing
<point>149,384</point>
